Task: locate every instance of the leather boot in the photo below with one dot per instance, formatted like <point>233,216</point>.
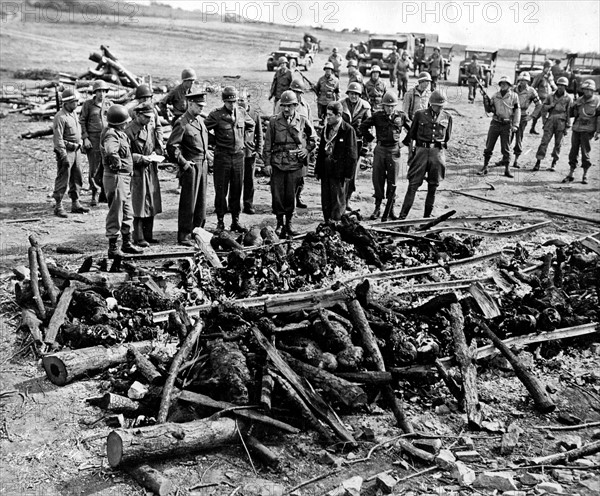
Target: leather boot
<point>516,163</point>
<point>148,230</point>
<point>377,212</point>
<point>220,224</point>
<point>102,197</point>
<point>78,208</point>
<point>128,247</point>
<point>485,169</point>
<point>94,200</point>
<point>391,214</point>
<point>536,167</point>
<point>59,210</point>
<point>113,249</point>
<point>279,228</point>
<point>507,171</point>
<point>289,227</point>
<point>553,165</point>
<point>138,232</point>
<point>236,226</point>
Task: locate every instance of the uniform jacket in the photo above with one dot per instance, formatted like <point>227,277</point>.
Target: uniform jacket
<point>339,159</point>
<point>176,97</point>
<point>526,98</point>
<point>436,65</point>
<point>116,151</point>
<point>188,140</point>
<point>282,141</point>
<point>557,108</point>
<point>391,60</point>
<point>374,91</point>
<point>352,54</point>
<point>230,130</point>
<point>414,100</point>
<point>506,108</point>
<point>327,89</point>
<point>354,115</point>
<point>158,130</point>
<point>93,118</point>
<point>357,77</point>
<point>428,129</point>
<point>387,128</point>
<point>474,71</point>
<point>544,84</point>
<point>254,139</point>
<point>281,82</point>
<point>336,60</point>
<point>304,109</point>
<point>66,132</point>
<point>587,114</point>
<point>403,66</point>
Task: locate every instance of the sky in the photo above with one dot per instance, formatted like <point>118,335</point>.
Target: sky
<point>554,24</point>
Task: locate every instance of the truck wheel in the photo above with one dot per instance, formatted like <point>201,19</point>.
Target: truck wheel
<point>488,80</point>
<point>270,66</point>
<point>460,81</point>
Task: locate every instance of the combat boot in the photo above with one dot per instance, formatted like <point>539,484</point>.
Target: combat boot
<point>236,226</point>
<point>507,171</point>
<point>113,249</point>
<point>59,210</point>
<point>128,247</point>
<point>485,169</point>
<point>94,200</point>
<point>377,212</point>
<point>584,178</point>
<point>553,166</point>
<point>536,167</point>
<point>78,208</point>
<point>279,228</point>
<point>299,202</point>
<point>289,227</point>
<point>532,130</point>
<point>220,224</point>
<point>516,163</point>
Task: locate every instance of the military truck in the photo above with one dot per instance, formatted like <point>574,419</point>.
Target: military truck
<point>531,62</point>
<point>580,68</point>
<point>295,52</point>
<point>379,48</point>
<point>486,58</point>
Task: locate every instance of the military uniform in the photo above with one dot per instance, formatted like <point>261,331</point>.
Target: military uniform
<point>544,84</point>
<point>526,97</point>
<point>555,116</point>
<point>474,73</point>
<point>230,129</point>
<point>586,123</point>
<point>67,143</point>
<point>93,119</point>
<point>335,167</point>
<point>507,114</point>
<point>327,90</point>
<point>391,61</point>
<point>357,77</point>
<point>177,98</point>
<point>254,148</point>
<point>431,134</point>
<point>414,100</point>
<point>373,92</point>
<point>281,82</point>
<point>189,143</point>
<point>401,70</point>
<point>436,68</point>
<point>337,61</point>
<point>419,58</point>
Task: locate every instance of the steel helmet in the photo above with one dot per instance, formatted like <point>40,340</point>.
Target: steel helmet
<point>390,98</point>
<point>474,56</point>
<point>288,98</point>
<point>424,76</point>
<point>117,115</point>
<point>354,88</point>
<point>143,91</point>
<point>328,65</point>
<point>504,79</point>
<point>588,84</point>
<point>524,76</point>
<point>334,49</point>
<point>437,98</point>
<point>188,75</point>
<point>547,63</point>
<point>352,63</point>
<point>100,85</point>
<point>282,60</point>
<point>229,94</point>
<point>69,94</point>
<point>297,85</point>
<point>375,68</point>
<point>564,81</point>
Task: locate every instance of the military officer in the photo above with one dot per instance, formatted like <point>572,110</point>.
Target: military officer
<point>231,125</point>
<point>176,98</point>
<point>527,96</point>
<point>435,66</point>
<point>254,148</point>
<point>67,143</point>
<point>429,134</point>
<point>417,98</point>
<point>401,71</point>
<point>143,94</point>
<point>118,168</point>
<point>302,109</point>
<point>374,88</point>
<point>188,147</point>
<point>281,81</point>
<point>474,73</point>
<point>544,84</point>
<point>288,141</point>
<point>327,89</point>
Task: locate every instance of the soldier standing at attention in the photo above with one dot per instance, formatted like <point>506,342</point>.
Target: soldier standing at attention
<point>146,201</point>
<point>544,84</point>
<point>474,73</point>
<point>67,143</point>
<point>188,147</point>
<point>419,58</point>
<point>401,72</point>
<point>118,169</point>
<point>386,158</point>
<point>417,98</point>
<point>288,141</point>
<point>391,61</point>
<point>254,148</point>
<point>327,89</point>
<point>354,75</point>
<point>430,131</point>
<point>507,116</point>
<point>230,125</point>
<point>436,66</point>
<point>586,125</point>
<point>555,113</point>
<point>527,96</point>
<point>281,81</point>
<point>93,120</point>
<point>302,109</point>
<point>336,60</point>
<point>374,88</point>
<point>176,98</point>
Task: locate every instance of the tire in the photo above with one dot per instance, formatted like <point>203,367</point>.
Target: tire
<point>488,80</point>
<point>308,64</point>
<point>270,66</point>
<point>460,80</point>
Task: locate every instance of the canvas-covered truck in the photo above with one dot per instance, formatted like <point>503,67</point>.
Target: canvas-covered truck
<point>531,62</point>
<point>295,52</point>
<point>379,48</point>
<point>486,58</point>
<point>580,68</point>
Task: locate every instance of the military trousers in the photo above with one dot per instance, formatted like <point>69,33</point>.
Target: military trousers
<point>553,128</point>
<point>502,131</point>
<point>248,196</point>
<point>192,199</point>
<point>95,168</point>
<point>283,190</point>
<point>119,218</point>
<point>518,149</point>
<point>386,170</point>
<point>228,178</point>
<point>581,140</point>
<point>68,175</point>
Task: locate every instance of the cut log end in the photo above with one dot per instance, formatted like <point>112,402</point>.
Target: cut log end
<point>114,449</point>
<point>55,370</point>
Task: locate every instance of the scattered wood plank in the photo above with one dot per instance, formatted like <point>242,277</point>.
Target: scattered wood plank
<point>69,275</point>
<point>35,283</point>
<point>266,389</point>
<point>120,404</point>
<point>29,219</point>
<point>145,366</point>
<point>486,303</point>
<point>588,449</point>
<point>58,317</point>
<point>577,427</point>
<point>152,479</point>
<point>436,221</point>
<point>493,234</point>
<point>592,244</point>
<point>203,238</point>
<point>453,220</point>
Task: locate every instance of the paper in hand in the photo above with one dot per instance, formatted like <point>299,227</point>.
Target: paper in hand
<point>155,158</point>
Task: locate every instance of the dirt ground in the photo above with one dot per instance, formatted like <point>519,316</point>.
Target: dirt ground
<point>49,441</point>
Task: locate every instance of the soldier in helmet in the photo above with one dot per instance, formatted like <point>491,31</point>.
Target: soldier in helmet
<point>231,125</point>
<point>417,98</point>
<point>93,119</point>
<point>403,66</point>
<point>474,73</point>
<point>146,200</point>
<point>288,141</point>
<point>188,148</point>
<point>67,143</point>
<point>254,148</point>
<point>544,84</point>
<point>176,98</point>
<point>354,111</point>
<point>527,96</point>
<point>555,113</point>
<point>505,121</point>
<point>586,125</point>
<point>391,61</point>
<point>118,168</point>
<point>336,60</point>
<point>327,89</point>
<point>281,81</point>
<point>419,57</point>
<point>302,109</point>
<point>352,53</point>
<point>354,75</point>
<point>388,125</point>
<point>143,95</point>
<point>374,88</point>
<point>430,132</point>
<point>435,65</point>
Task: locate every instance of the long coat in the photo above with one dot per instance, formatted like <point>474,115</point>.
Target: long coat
<point>342,162</point>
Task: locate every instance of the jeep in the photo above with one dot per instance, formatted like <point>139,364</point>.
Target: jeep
<point>486,58</point>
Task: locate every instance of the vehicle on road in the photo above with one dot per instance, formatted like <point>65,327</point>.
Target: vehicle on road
<point>447,53</point>
<point>486,58</point>
<point>580,68</point>
<point>297,55</point>
<point>379,48</point>
<point>531,62</point>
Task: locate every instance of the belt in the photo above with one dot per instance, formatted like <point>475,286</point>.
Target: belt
<point>433,144</point>
<point>501,121</point>
<point>229,152</point>
<point>389,145</point>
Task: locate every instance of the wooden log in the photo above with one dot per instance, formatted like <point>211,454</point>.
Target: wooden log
<point>374,353</point>
<point>415,452</point>
<point>64,366</point>
<point>181,355</point>
<point>203,238</point>
<point>35,283</point>
<point>30,322</point>
<point>434,304</point>
<point>542,400</point>
<point>436,221</point>
<point>492,234</point>
<point>451,384</point>
<point>466,357</point>
<point>58,317</point>
<point>266,389</point>
<point>68,275</point>
<point>294,327</point>
<point>43,268</point>
<point>118,403</point>
<point>486,303</point>
<point>130,446</point>
<point>335,388</point>
<point>586,450</point>
<point>100,59</point>
<point>267,456</point>
<point>146,367</point>
<point>152,479</point>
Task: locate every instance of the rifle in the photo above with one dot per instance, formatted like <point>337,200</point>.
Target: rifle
<point>308,81</point>
<point>487,101</point>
